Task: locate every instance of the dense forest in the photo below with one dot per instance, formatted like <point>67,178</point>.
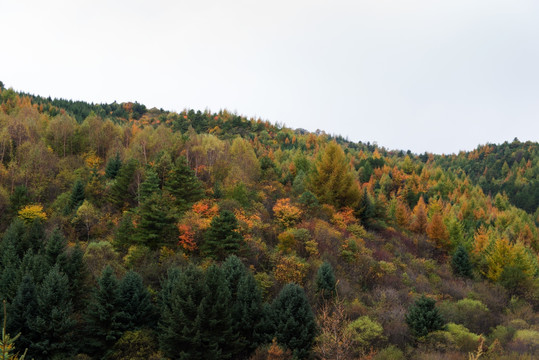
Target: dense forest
<point>135,233</point>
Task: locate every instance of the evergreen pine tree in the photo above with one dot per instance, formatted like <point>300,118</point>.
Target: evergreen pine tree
<point>247,314</point>
<point>183,185</point>
<point>54,321</point>
<point>460,263</point>
<point>325,281</point>
<point>18,199</point>
<point>179,325</point>
<point>120,192</point>
<point>295,325</point>
<point>124,234</point>
<point>77,196</point>
<point>215,317</point>
<point>113,167</point>
<point>35,265</point>
<point>222,238</point>
<point>135,302</point>
<point>14,238</point>
<point>22,312</point>
<point>104,318</point>
<point>55,249</point>
<point>8,272</point>
<point>149,186</point>
<point>423,317</point>
<point>77,272</point>
<point>34,236</point>
<point>157,224</point>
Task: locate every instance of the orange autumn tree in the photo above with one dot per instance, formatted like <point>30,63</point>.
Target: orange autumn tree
<point>437,231</point>
<point>186,239</point>
<point>419,217</point>
<point>286,214</point>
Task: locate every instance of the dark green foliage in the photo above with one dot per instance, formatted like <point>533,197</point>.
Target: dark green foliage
<point>196,320</point>
<point>246,303</point>
<point>295,326</point>
<point>247,314</point>
<point>22,312</point>
<point>113,167</point>
<point>54,321</point>
<point>77,272</point>
<point>183,185</point>
<point>77,196</point>
<point>460,263</point>
<point>423,317</point>
<point>122,191</point>
<point>222,238</point>
<point>34,237</point>
<point>325,281</point>
<point>8,276</point>
<point>149,186</point>
<point>124,235</point>
<point>105,320</point>
<point>157,224</point>
<point>35,265</point>
<point>215,316</point>
<point>182,294</point>
<point>135,302</point>
<point>18,199</point>
<point>55,249</point>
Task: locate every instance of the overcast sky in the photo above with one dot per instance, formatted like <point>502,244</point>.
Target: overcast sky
<point>424,75</point>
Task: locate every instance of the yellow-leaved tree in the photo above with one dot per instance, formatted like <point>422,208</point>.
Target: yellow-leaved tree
<point>332,180</point>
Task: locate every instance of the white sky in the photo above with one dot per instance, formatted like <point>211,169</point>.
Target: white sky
<point>424,75</point>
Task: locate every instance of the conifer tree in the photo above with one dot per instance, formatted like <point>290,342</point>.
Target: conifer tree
<point>149,186</point>
<point>113,167</point>
<point>8,272</point>
<point>35,265</point>
<point>157,224</point>
<point>105,320</point>
<point>120,192</point>
<point>182,294</point>
<point>135,302</point>
<point>77,196</point>
<point>332,181</point>
<point>55,249</point>
<point>54,321</point>
<point>419,217</point>
<point>246,304</point>
<point>124,234</point>
<point>460,262</point>
<point>423,317</point>
<point>325,281</point>
<point>22,311</point>
<point>222,238</point>
<point>18,199</point>
<point>295,325</point>
<point>183,185</point>
<point>76,272</point>
<point>247,314</point>
<point>437,231</point>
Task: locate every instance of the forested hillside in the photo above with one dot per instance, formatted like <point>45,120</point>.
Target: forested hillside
<point>135,233</point>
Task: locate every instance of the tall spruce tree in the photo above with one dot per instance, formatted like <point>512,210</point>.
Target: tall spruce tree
<point>325,281</point>
<point>105,320</point>
<point>55,249</point>
<point>22,312</point>
<point>121,192</point>
<point>113,167</point>
<point>183,185</point>
<point>136,303</point>
<point>295,325</point>
<point>423,317</point>
<point>460,263</point>
<point>179,326</point>
<point>54,321</point>
<point>77,196</point>
<point>222,238</point>
<point>157,224</point>
<point>77,272</point>
<point>149,186</point>
<point>247,313</point>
